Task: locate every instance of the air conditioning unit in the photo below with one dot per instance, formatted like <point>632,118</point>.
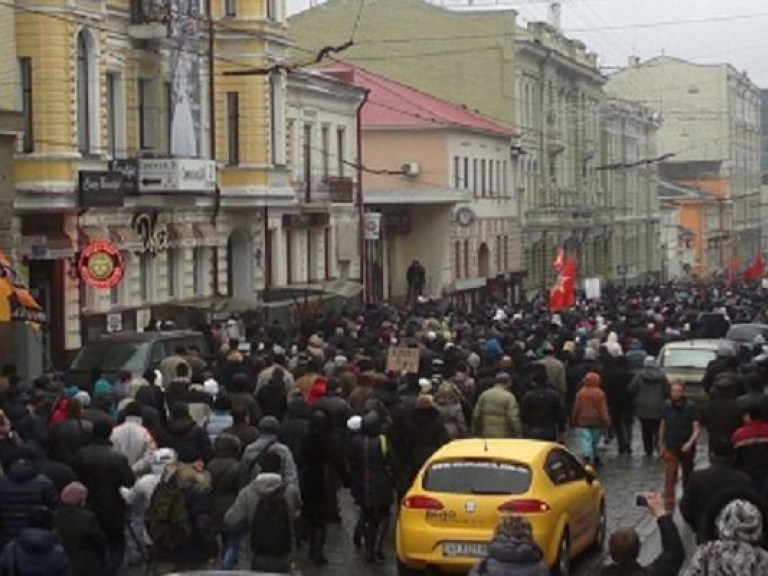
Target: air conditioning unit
<point>411,168</point>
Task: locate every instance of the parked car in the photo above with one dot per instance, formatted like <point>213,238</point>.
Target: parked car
<point>134,351</point>
<point>688,361</point>
<point>449,514</point>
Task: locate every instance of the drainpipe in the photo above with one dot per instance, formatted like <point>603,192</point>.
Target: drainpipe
<point>360,206</point>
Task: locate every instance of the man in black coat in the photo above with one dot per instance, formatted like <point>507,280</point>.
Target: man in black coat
<point>103,470</point>
<point>705,483</point>
<point>542,411</point>
<point>189,440</point>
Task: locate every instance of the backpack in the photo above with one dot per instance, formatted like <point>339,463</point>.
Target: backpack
<point>256,464</point>
<point>168,520</point>
<point>271,531</point>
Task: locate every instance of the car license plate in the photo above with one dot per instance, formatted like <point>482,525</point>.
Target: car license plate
<point>472,549</point>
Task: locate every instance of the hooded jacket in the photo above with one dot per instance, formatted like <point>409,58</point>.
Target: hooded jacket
<point>511,557</point>
<point>35,553</point>
<point>649,389</point>
<point>271,443</point>
<point>21,491</point>
<point>496,414</point>
<point>590,409</point>
<point>722,415</point>
<point>737,551</point>
<point>82,539</point>
<point>132,440</point>
<point>240,515</point>
<point>228,476</point>
<point>188,439</point>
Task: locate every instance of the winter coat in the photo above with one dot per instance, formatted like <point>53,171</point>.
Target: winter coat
<point>188,439</point>
<point>68,437</point>
<point>426,433</point>
<point>702,488</point>
<point>750,443</point>
<point>372,471</point>
<point>21,491</point>
<point>496,414</point>
<point>555,372</point>
<point>616,379</point>
<point>321,454</point>
<point>667,563</point>
<point>103,471</point>
<point>542,413</point>
<point>82,538</point>
<point>511,557</point>
<point>240,515</point>
<point>716,367</point>
<point>337,410</point>
<point>452,415</point>
<point>246,433</point>
<point>294,429</point>
<point>270,442</point>
<point>246,399</point>
<point>649,390</point>
<point>722,415</point>
<point>132,440</point>
<point>590,409</point>
<point>228,477</point>
<point>35,553</point>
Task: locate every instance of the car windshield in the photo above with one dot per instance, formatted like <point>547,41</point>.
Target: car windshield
<point>477,477</point>
<point>697,358</point>
<point>745,332</point>
<point>111,356</point>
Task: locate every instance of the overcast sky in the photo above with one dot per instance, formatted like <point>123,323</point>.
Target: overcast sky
<point>704,31</point>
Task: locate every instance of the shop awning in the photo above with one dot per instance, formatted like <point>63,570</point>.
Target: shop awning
<point>181,235</point>
<point>90,234</point>
<point>16,303</point>
<point>124,237</point>
<point>206,234</point>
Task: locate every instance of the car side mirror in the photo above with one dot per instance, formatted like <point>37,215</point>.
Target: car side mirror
<point>590,474</point>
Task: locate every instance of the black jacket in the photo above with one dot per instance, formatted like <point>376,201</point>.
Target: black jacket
<point>68,437</point>
<point>35,553</point>
<point>426,433</point>
<point>103,471</point>
<point>542,413</point>
<point>188,439</point>
<point>228,476</point>
<point>703,486</point>
<point>667,563</point>
<point>82,538</point>
<point>21,491</point>
<point>337,409</point>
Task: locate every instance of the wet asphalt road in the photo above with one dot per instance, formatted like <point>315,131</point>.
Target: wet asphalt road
<point>622,477</point>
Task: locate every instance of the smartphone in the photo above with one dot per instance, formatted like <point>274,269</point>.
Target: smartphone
<point>641,501</point>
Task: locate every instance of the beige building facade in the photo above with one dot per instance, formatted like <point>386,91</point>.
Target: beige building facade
<point>711,125</point>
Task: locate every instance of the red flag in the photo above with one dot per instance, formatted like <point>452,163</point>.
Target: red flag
<point>756,269</point>
<point>559,261</point>
<point>563,293</point>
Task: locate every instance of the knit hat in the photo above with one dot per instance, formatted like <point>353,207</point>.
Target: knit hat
<point>74,494</point>
<point>740,520</point>
<point>83,397</point>
<point>70,391</point>
<point>269,425</point>
<point>102,386</point>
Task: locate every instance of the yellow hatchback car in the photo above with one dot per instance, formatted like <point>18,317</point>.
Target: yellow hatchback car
<point>449,514</point>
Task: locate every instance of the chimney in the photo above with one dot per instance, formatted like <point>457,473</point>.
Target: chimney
<point>555,15</point>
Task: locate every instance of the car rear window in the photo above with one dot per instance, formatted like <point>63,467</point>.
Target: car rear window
<point>696,358</point>
<point>477,477</point>
<point>745,332</point>
<point>111,356</point>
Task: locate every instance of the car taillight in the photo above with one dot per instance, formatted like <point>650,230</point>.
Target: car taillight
<point>422,503</point>
<point>523,506</point>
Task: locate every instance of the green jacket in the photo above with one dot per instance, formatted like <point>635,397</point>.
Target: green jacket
<point>496,414</point>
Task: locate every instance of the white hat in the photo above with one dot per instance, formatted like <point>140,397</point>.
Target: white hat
<point>425,384</point>
<point>355,423</point>
<point>83,397</point>
<point>211,387</point>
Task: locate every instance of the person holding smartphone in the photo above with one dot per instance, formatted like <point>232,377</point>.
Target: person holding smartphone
<point>624,544</point>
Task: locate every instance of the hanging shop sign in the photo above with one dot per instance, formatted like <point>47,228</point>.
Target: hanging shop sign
<point>153,234</point>
<point>101,265</point>
<point>372,225</point>
<point>99,189</point>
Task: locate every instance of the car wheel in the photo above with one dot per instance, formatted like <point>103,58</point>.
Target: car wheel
<point>405,570</point>
<point>562,565</point>
<point>598,544</point>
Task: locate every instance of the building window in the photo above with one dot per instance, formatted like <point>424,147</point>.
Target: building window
<point>147,272</point>
<point>307,161</point>
<point>499,256</point>
<point>230,8</point>
<point>25,82</point>
<point>172,265</point>
<point>274,10</point>
<point>490,178</point>
<point>482,178</point>
<point>83,95</point>
<point>116,115</point>
<point>466,259</point>
<point>457,259</point>
<point>466,173</point>
<point>233,128</point>
<point>201,285</point>
<point>506,253</point>
<point>341,136</point>
<point>474,177</point>
<point>277,117</point>
<point>505,185</point>
<point>499,189</point>
<point>146,114</point>
<point>456,172</point>
<point>168,93</point>
<point>325,136</point>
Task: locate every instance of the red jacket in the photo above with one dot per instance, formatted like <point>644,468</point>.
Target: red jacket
<point>751,445</point>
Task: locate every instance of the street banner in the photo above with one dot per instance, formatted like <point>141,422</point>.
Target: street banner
<point>400,360</point>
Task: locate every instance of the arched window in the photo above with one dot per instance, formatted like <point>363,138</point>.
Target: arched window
<point>83,95</point>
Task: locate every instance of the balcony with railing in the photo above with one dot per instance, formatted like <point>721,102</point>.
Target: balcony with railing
<point>150,19</point>
<point>326,190</point>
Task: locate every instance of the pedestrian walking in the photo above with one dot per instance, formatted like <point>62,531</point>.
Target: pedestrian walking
<point>496,413</point>
<point>590,418</point>
<point>649,390</point>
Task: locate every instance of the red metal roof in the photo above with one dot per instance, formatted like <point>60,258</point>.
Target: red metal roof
<point>394,105</point>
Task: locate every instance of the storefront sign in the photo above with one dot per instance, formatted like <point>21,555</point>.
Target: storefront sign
<point>372,226</point>
<point>176,175</point>
<point>153,234</point>
<point>98,189</point>
<point>101,265</point>
<point>128,168</point>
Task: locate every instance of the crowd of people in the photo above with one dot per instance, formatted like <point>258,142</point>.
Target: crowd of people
<point>224,459</point>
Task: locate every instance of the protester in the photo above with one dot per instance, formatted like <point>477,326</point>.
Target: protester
<point>185,436</point>
<point>590,418</point>
<point>78,529</point>
<point>35,552</point>
<point>496,413</point>
<point>132,439</point>
<point>268,442</point>
<point>512,551</point>
<point>649,390</point>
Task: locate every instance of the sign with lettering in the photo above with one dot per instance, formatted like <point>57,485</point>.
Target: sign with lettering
<point>153,234</point>
<point>400,360</point>
<point>101,265</point>
<point>128,168</point>
<point>176,175</point>
<point>100,189</point>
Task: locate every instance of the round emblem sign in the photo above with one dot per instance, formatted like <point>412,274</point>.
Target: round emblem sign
<point>101,265</point>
